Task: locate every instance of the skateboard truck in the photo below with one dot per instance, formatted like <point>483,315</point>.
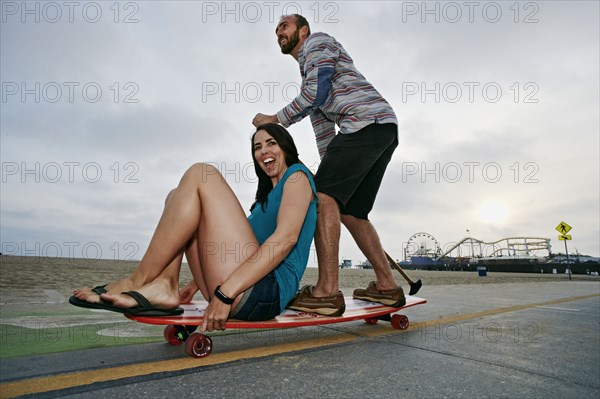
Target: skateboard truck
<point>415,286</point>
<point>177,334</point>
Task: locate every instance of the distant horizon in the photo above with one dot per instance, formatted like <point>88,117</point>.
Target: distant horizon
<point>311,265</point>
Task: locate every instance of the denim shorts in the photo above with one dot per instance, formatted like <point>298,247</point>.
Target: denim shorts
<point>260,302</point>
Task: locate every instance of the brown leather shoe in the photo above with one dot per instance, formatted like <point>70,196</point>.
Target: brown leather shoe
<point>394,297</point>
<point>328,306</point>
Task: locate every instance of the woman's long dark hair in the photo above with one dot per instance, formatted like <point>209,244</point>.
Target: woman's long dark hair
<point>286,143</point>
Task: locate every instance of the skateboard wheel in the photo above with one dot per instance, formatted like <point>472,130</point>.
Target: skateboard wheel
<point>371,320</point>
<point>400,322</point>
<point>198,345</point>
<point>171,335</point>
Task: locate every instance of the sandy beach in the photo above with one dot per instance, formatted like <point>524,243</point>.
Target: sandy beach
<point>37,280</point>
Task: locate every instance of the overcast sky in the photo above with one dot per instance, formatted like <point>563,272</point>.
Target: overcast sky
<point>105,105</point>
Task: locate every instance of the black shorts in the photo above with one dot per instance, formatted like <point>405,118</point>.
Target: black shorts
<point>353,167</point>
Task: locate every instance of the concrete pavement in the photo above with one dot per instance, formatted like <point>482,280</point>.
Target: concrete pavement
<point>495,340</point>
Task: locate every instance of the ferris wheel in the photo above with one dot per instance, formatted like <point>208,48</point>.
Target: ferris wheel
<point>422,244</point>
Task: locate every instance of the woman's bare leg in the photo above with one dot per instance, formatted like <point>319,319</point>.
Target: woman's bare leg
<point>192,254</point>
<point>162,292</point>
<point>202,206</point>
<point>224,239</point>
<point>157,257</point>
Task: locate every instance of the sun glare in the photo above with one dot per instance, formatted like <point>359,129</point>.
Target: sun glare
<point>493,212</point>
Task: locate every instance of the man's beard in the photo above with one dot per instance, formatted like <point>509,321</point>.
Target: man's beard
<point>291,43</point>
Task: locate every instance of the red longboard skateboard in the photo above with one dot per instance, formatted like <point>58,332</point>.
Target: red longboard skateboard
<point>180,329</point>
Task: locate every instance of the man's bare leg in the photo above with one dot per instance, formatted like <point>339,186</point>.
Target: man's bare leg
<point>367,239</point>
<point>327,244</point>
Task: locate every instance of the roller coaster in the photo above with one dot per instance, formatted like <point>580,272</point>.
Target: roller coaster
<point>509,254</point>
<point>424,246</point>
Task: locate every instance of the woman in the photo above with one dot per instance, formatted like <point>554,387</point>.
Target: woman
<point>248,268</point>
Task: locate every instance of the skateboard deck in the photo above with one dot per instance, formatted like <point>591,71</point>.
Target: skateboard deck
<point>180,329</point>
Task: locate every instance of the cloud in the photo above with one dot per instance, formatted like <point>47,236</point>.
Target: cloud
<point>100,119</point>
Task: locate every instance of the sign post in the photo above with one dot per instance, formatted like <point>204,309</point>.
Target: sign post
<point>563,228</point>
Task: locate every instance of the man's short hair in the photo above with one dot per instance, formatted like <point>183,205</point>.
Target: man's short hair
<point>301,21</point>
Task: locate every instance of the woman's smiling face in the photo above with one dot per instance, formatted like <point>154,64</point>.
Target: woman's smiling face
<point>269,155</point>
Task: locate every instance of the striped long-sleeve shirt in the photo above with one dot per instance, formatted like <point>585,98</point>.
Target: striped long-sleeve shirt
<point>333,92</point>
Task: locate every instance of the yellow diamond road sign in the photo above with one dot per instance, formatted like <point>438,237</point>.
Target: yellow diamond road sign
<point>564,237</point>
<point>563,228</point>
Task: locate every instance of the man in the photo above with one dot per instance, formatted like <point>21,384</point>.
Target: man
<point>352,164</point>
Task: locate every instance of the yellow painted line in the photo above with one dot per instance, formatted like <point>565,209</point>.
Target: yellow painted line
<point>70,380</point>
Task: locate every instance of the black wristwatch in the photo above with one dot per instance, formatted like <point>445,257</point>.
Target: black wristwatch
<point>222,297</point>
